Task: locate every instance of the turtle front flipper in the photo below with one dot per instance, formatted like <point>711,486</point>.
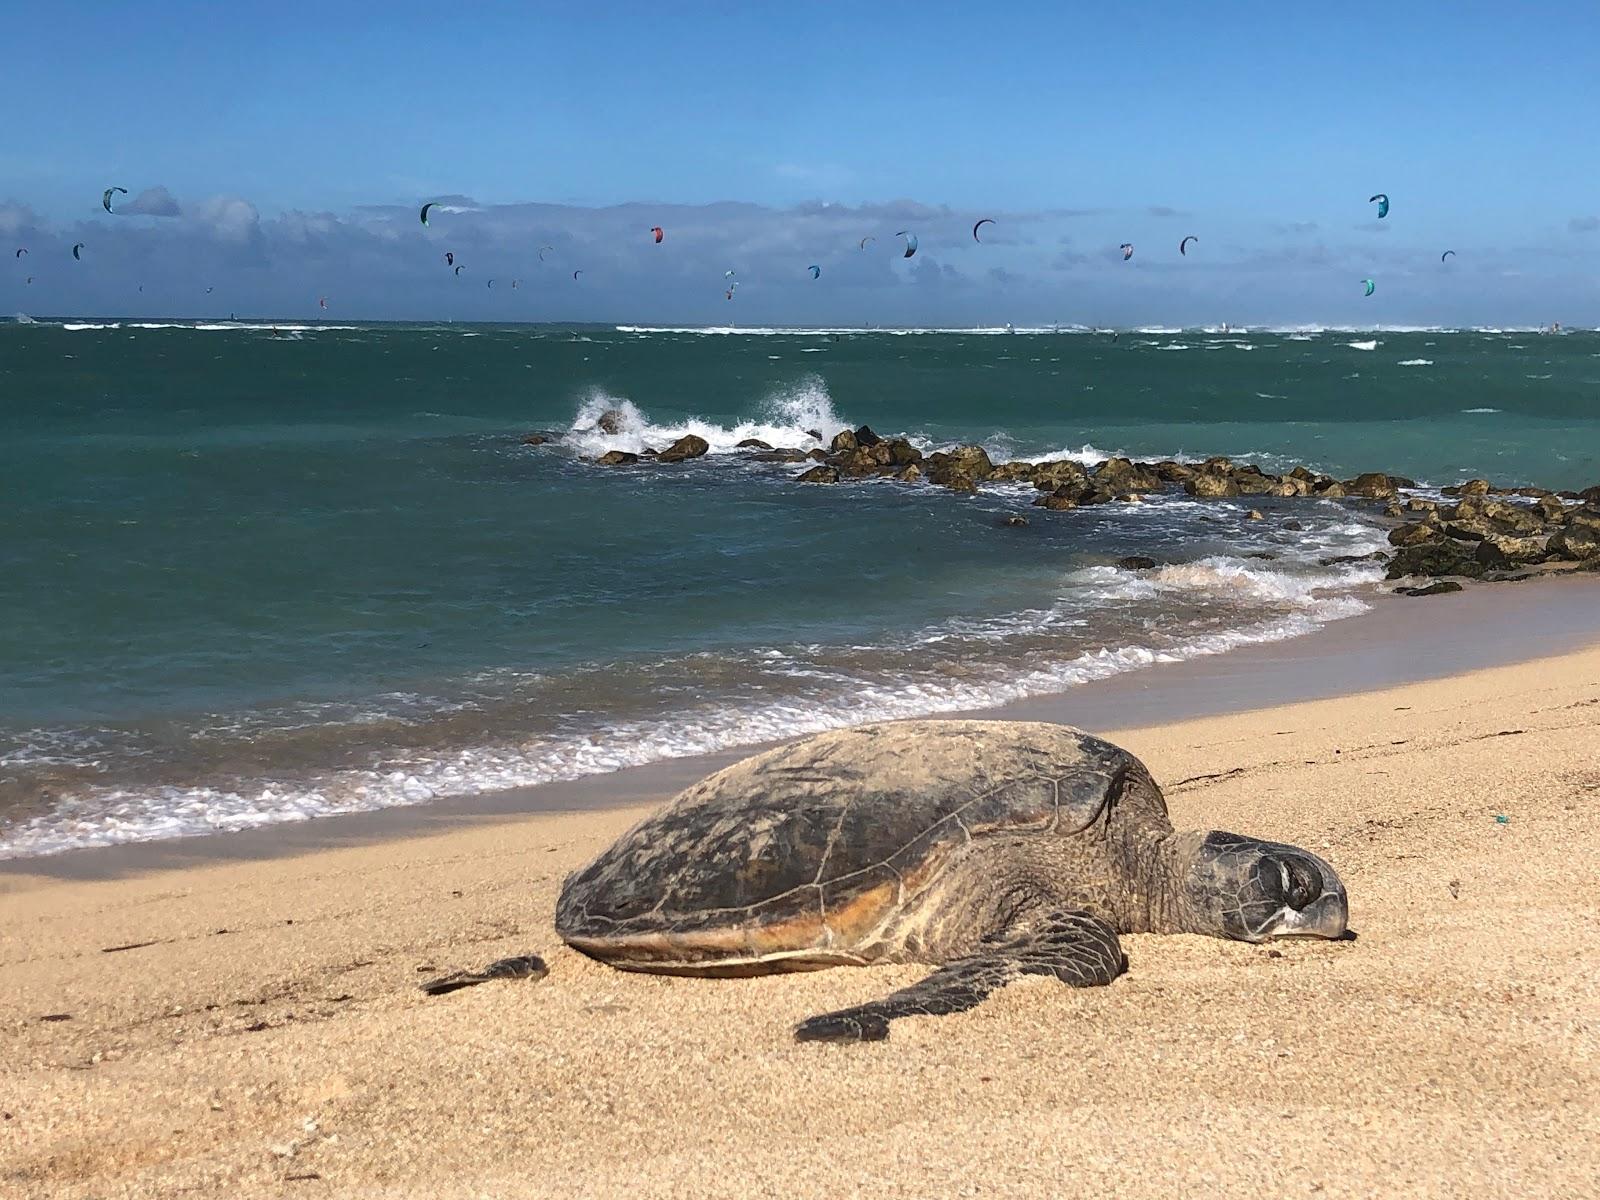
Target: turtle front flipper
<point>1078,949</point>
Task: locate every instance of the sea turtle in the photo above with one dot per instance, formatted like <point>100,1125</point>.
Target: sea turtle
<point>990,849</point>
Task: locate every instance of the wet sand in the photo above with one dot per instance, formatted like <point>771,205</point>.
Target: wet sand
<point>250,1025</point>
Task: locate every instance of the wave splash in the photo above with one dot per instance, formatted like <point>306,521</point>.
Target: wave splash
<point>788,417</point>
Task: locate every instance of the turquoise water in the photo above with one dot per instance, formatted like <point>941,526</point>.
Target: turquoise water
<point>251,575</point>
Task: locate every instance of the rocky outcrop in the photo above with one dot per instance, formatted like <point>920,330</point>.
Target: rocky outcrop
<point>1480,532</point>
<point>1136,562</point>
<point>537,439</point>
<point>688,446</point>
<point>783,454</point>
<point>1438,588</point>
<point>1211,484</point>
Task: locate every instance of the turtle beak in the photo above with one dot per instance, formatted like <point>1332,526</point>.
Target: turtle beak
<point>1328,916</point>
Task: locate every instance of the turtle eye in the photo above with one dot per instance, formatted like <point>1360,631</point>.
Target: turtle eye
<point>1302,883</point>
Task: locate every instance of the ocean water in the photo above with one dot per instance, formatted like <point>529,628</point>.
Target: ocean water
<point>253,574</point>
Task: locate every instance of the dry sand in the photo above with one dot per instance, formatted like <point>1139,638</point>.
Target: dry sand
<point>270,1040</point>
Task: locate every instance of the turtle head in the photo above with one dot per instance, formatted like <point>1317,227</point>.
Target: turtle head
<point>1250,890</point>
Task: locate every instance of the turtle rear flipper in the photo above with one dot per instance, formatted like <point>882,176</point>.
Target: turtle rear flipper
<point>525,966</point>
<point>1078,949</point>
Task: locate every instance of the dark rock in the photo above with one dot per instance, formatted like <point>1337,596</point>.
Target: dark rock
<point>1253,482</point>
<point>1443,557</point>
<point>1472,487</point>
<point>865,436</point>
<point>1294,525</point>
<point>1302,474</point>
<point>1416,504</point>
<point>969,461</point>
<point>1592,563</point>
<point>1415,535</point>
<point>1590,495</point>
<point>1400,481</point>
<point>1009,471</point>
<point>1533,493</point>
<point>818,455</point>
<point>753,444</point>
<point>902,452</point>
<point>1585,519</point>
<point>1172,472</point>
<point>610,421</point>
<point>1373,485</point>
<point>818,475</point>
<point>537,439</point>
<point>910,473</point>
<point>784,454</point>
<point>1437,588</point>
<point>1136,562</point>
<point>1328,489</point>
<point>1208,484</point>
<point>858,462</point>
<point>1393,511</point>
<point>812,433</point>
<point>1059,500</point>
<point>1254,515</point>
<point>1550,508</point>
<point>1121,476</point>
<point>1375,556</point>
<point>1574,542</point>
<point>1265,555</point>
<point>1014,520</point>
<point>843,441</point>
<point>1502,553</point>
<point>1217,465</point>
<point>688,446</point>
<point>1058,472</point>
<point>617,458</point>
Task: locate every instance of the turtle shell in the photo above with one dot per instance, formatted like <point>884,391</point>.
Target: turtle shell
<point>799,857</point>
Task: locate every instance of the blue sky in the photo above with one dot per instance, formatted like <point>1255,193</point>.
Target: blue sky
<point>292,136</point>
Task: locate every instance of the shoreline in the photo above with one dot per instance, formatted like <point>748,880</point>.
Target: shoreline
<point>1401,640</point>
<point>247,1028</point>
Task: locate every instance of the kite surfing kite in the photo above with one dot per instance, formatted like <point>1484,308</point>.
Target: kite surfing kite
<point>460,269</point>
<point>1369,285</point>
<point>1382,200</point>
<point>449,258</point>
<point>575,274</point>
<point>21,251</point>
<point>1446,255</point>
<point>815,270</point>
<point>515,283</point>
<point>865,240</point>
<point>76,251</point>
<point>105,196</point>
<point>424,213</point>
<point>322,302</point>
<point>542,249</point>
<point>985,221</point>
<point>1183,246</point>
<point>658,233</point>
<point>491,283</point>
<point>911,242</point>
<point>1127,250</point>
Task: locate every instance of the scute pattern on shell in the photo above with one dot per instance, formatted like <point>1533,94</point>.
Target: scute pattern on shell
<point>806,846</point>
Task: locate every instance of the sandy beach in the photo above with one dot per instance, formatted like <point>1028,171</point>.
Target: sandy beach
<point>253,1027</point>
